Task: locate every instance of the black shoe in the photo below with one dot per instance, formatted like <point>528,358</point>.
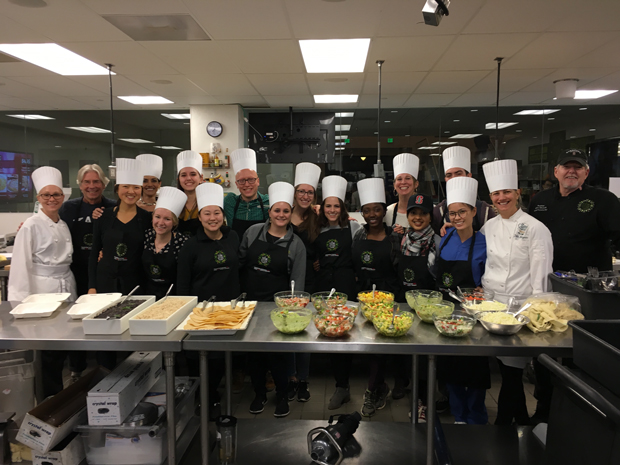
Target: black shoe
<point>399,388</point>
<point>303,394</point>
<point>258,404</point>
<point>291,390</point>
<point>282,409</point>
<point>442,404</point>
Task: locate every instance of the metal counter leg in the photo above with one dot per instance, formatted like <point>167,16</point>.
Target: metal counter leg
<point>204,407</point>
<point>170,416</point>
<point>430,411</point>
<point>228,361</point>
<point>415,395</point>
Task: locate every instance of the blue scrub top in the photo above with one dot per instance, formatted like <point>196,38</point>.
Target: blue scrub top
<point>457,250</point>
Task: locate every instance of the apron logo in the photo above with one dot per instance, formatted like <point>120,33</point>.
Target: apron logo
<point>87,220</point>
<point>367,257</point>
<point>409,275</point>
<point>540,208</point>
<point>521,231</point>
<point>155,270</point>
<point>332,245</point>
<point>585,206</point>
<point>447,279</point>
<point>220,257</point>
<point>264,259</point>
<point>121,250</point>
<point>88,239</point>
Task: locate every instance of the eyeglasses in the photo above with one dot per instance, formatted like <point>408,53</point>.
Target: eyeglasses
<point>55,196</point>
<point>250,181</point>
<point>460,214</point>
<point>305,193</point>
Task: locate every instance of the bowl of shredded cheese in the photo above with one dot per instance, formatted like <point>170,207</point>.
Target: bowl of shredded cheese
<point>502,323</point>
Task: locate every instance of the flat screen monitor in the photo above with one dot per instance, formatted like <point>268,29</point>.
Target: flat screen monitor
<point>15,177</point>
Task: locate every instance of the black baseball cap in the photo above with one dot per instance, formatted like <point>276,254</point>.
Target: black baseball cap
<point>422,201</point>
<point>574,155</point>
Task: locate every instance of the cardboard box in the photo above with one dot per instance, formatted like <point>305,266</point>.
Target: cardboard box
<point>113,399</point>
<point>37,430</point>
<point>70,451</point>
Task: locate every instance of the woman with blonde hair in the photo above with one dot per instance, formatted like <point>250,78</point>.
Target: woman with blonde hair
<point>189,177</point>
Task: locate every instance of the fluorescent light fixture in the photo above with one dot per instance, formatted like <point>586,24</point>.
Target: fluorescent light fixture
<point>363,158</point>
<point>591,94</point>
<point>339,148</point>
<point>343,137</point>
<point>387,121</point>
<point>435,155</point>
<point>518,130</point>
<point>176,115</point>
<point>407,135</point>
<point>343,98</point>
<point>394,111</point>
<point>592,130</point>
<point>91,129</point>
<point>342,127</point>
<point>145,99</point>
<point>138,141</point>
<point>345,115</point>
<point>464,136</point>
<point>443,143</point>
<point>54,58</point>
<point>335,55</point>
<point>550,119</point>
<point>446,132</point>
<point>581,109</point>
<point>535,112</point>
<point>428,148</point>
<point>339,143</point>
<point>456,120</point>
<point>30,116</point>
<point>473,110</point>
<point>167,147</point>
<point>499,125</point>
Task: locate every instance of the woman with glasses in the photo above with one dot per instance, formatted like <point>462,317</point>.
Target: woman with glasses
<point>153,167</point>
<point>461,263</point>
<point>189,177</point>
<point>406,166</point>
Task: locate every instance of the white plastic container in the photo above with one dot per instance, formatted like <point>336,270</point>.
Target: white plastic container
<point>161,327</point>
<point>93,325</point>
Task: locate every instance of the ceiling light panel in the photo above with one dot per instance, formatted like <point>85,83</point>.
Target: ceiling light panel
<point>464,136</point>
<point>335,56</point>
<point>54,58</point>
<point>443,143</point>
<point>428,148</point>
<point>345,115</point>
<point>341,137</point>
<point>534,112</point>
<point>176,115</point>
<point>499,125</point>
<point>343,98</point>
<point>138,141</point>
<point>342,127</point>
<point>146,100</point>
<point>167,147</point>
<point>30,117</point>
<point>339,148</point>
<point>180,27</point>
<point>592,94</point>
<point>91,129</point>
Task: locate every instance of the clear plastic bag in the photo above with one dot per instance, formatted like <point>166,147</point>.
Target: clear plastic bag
<point>551,311</point>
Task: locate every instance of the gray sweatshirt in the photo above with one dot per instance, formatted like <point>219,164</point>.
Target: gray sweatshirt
<point>296,252</point>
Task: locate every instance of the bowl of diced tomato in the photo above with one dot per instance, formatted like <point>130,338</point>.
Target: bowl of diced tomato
<point>333,323</point>
<point>288,299</point>
<point>458,324</point>
<point>324,301</point>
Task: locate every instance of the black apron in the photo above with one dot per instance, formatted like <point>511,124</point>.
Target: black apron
<point>266,270</point>
<point>465,371</point>
<point>241,226</point>
<point>221,270</point>
<point>373,265</point>
<point>82,239</point>
<point>333,249</point>
<point>309,285</point>
<point>120,268</point>
<point>160,271</point>
<point>413,274</point>
<point>188,227</point>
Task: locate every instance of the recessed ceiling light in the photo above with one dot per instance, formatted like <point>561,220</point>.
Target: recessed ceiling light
<point>584,108</point>
<point>335,55</point>
<point>376,132</point>
<point>138,141</point>
<point>473,110</point>
<point>91,129</point>
<point>176,115</point>
<point>339,143</point>
<point>464,136</point>
<point>518,130</point>
<point>167,147</point>
<point>407,135</point>
<point>592,130</point>
<point>163,82</point>
<point>342,127</point>
<point>345,114</point>
<point>435,155</point>
<point>339,148</point>
<point>499,125</point>
<point>145,99</point>
<point>535,112</point>
<point>341,137</point>
<point>550,119</point>
<point>428,148</point>
<point>387,121</point>
<point>58,146</point>
<point>30,116</point>
<point>572,137</point>
<point>394,111</point>
<point>446,132</point>
<point>54,58</point>
<point>592,94</point>
<point>443,143</point>
<point>343,98</point>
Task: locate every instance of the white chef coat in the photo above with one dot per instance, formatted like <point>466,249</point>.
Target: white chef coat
<point>41,258</point>
<point>401,218</point>
<point>519,258</point>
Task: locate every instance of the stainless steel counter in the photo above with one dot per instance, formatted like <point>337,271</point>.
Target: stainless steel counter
<point>423,338</point>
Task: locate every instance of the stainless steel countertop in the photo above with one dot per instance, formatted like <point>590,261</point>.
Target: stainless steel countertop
<point>423,338</point>
<point>60,332</point>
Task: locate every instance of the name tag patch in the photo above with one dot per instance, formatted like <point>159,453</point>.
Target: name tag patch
<point>521,232</point>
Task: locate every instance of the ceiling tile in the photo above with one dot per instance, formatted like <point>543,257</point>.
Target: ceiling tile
<point>477,99</point>
<point>392,83</point>
<point>243,100</point>
<point>279,84</point>
<point>203,100</point>
<point>193,57</point>
<point>585,76</point>
<point>173,85</point>
<point>527,98</point>
<point>22,104</point>
<point>12,32</point>
<point>387,100</point>
<point>223,84</point>
<point>120,85</point>
<point>506,16</point>
<point>60,85</point>
<point>407,53</point>
<point>443,81</point>
<point>605,55</point>
<point>577,15</point>
<point>351,83</point>
<point>264,56</point>
<point>278,101</point>
<point>136,7</point>
<point>512,80</point>
<point>430,100</point>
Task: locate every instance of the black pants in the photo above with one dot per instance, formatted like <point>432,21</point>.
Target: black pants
<point>341,368</point>
<point>187,363</point>
<point>260,363</point>
<point>511,402</point>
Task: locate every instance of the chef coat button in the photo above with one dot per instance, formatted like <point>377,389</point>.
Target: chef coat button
<point>54,258</point>
<point>55,240</point>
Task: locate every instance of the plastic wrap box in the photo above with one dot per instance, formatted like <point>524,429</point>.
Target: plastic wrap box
<point>595,305</point>
<point>113,399</point>
<point>17,382</point>
<point>135,445</point>
<point>69,451</point>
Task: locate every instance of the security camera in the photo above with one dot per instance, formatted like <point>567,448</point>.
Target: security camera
<point>434,10</point>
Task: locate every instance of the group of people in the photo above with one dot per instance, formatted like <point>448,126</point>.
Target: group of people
<point>207,244</point>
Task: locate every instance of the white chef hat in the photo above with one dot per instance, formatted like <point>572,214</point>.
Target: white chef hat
<point>67,191</point>
<point>209,193</point>
<point>371,190</point>
<point>129,171</point>
<point>457,157</point>
<point>307,173</point>
<point>172,199</point>
<point>334,186</point>
<point>189,159</point>
<point>462,189</point>
<point>47,176</point>
<point>152,165</point>
<point>614,186</point>
<point>406,163</point>
<point>281,192</point>
<point>243,159</point>
<point>501,174</point>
